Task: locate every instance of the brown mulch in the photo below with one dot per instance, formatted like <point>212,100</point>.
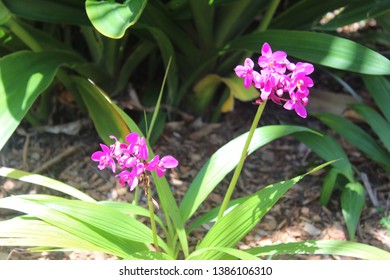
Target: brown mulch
<point>298,216</point>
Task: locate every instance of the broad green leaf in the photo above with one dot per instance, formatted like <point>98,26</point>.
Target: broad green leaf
<point>98,237</point>
<point>328,185</point>
<point>323,49</point>
<point>357,11</point>
<point>44,182</point>
<point>49,11</point>
<point>328,148</point>
<point>378,124</point>
<point>112,18</point>
<point>105,117</point>
<point>323,247</point>
<point>224,160</point>
<point>352,204</point>
<point>357,137</point>
<point>239,221</point>
<point>306,13</point>
<point>23,76</point>
<point>379,88</point>
<point>239,254</point>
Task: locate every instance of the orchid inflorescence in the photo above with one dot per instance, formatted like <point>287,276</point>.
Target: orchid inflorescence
<point>273,81</point>
<point>131,158</point>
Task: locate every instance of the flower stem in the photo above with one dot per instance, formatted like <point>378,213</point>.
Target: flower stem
<point>152,221</point>
<point>240,164</point>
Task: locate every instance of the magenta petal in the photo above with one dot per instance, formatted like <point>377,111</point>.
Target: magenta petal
<point>279,56</point>
<point>248,81</point>
<point>249,63</point>
<point>240,71</point>
<point>151,165</point>
<point>289,105</point>
<point>168,162</point>
<point>266,50</point>
<point>133,183</point>
<point>160,171</point>
<point>97,155</point>
<point>300,110</point>
<point>262,61</point>
<point>132,138</point>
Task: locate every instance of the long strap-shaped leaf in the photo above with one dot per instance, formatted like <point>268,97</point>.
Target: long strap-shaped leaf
<point>45,182</point>
<point>243,218</point>
<point>357,137</point>
<point>378,123</point>
<point>27,231</point>
<point>379,88</point>
<point>224,160</point>
<point>83,219</point>
<point>318,48</point>
<point>323,247</point>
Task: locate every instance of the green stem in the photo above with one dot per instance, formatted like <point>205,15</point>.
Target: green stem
<point>152,221</point>
<point>262,27</point>
<point>240,164</point>
<point>268,15</point>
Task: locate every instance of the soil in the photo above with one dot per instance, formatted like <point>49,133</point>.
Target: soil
<point>298,216</point>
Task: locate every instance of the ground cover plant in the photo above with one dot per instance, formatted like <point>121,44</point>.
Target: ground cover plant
<point>57,223</point>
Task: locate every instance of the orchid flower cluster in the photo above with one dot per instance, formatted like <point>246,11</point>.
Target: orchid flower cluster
<point>131,158</point>
<point>273,81</point>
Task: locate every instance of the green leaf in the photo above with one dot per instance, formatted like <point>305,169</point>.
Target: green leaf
<point>45,182</point>
<point>378,124</point>
<point>323,49</point>
<point>27,231</point>
<point>323,247</point>
<point>327,148</point>
<point>357,137</point>
<point>158,17</point>
<point>203,17</point>
<point>101,109</point>
<point>23,76</point>
<point>240,220</point>
<point>111,18</point>
<point>235,17</point>
<point>328,185</point>
<point>105,240</point>
<point>131,209</point>
<point>352,204</point>
<point>357,11</point>
<point>49,11</point>
<point>224,160</point>
<point>379,88</point>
